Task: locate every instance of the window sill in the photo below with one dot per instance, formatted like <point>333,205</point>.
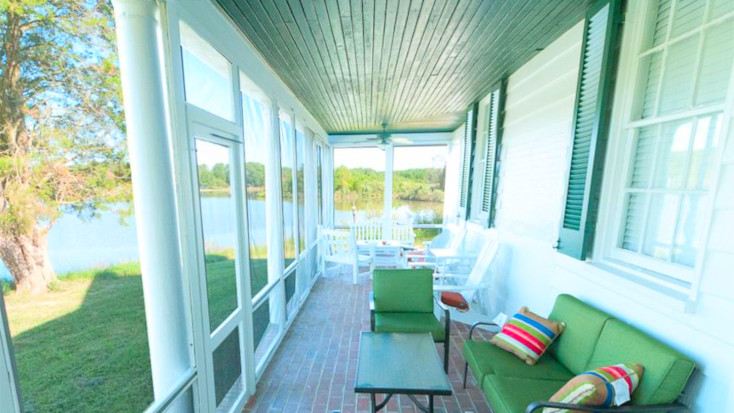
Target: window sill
<point>625,281</point>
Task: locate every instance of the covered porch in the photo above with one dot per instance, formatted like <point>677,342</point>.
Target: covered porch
<point>591,140</point>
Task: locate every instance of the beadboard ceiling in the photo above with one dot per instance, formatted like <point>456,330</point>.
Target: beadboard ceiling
<point>416,64</point>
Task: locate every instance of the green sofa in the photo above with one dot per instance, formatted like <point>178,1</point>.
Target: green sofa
<point>590,340</point>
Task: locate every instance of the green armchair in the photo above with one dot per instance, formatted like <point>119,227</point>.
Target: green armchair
<point>403,302</point>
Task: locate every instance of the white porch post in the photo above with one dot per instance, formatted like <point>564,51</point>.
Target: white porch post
<point>153,190</point>
<point>387,213</point>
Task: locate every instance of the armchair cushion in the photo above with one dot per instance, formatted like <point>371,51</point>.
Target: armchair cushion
<point>403,291</point>
<point>410,323</point>
<point>485,358</point>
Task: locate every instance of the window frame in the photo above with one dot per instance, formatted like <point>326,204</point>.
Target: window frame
<point>624,123</point>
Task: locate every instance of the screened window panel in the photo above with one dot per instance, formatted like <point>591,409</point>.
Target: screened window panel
<point>257,122</point>
<point>287,165</point>
<point>207,75</point>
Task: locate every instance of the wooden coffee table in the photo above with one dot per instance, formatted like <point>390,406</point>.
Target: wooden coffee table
<point>400,363</point>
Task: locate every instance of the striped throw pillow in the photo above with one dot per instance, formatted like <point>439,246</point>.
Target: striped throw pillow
<point>527,335</point>
<point>602,387</point>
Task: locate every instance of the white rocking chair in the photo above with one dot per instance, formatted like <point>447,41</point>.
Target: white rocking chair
<point>468,284</point>
<point>340,248</point>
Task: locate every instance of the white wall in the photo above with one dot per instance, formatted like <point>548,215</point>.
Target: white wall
<point>535,153</point>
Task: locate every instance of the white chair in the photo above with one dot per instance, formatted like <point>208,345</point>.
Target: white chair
<point>468,284</point>
<point>402,233</point>
<point>387,256</point>
<point>446,244</point>
<point>340,248</point>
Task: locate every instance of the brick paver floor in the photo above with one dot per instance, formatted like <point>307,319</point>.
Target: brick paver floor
<point>313,370</point>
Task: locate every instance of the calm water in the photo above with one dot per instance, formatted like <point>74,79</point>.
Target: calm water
<point>76,244</point>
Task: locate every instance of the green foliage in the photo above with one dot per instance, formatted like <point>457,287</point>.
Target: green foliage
<point>62,146</point>
<point>214,179</point>
<point>7,286</point>
<point>424,184</point>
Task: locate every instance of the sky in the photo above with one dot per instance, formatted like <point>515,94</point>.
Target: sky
<point>406,157</point>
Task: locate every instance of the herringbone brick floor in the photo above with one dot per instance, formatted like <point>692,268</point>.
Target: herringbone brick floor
<point>314,368</point>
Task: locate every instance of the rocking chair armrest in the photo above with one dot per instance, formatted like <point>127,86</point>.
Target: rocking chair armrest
<point>621,409</point>
<point>459,288</point>
<point>481,323</point>
<point>451,275</point>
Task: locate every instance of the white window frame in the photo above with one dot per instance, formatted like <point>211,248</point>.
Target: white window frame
<point>669,278</point>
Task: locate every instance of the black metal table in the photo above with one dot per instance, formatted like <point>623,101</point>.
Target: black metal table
<point>400,363</point>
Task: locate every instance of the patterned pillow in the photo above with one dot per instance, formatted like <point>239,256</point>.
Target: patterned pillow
<point>603,387</point>
<point>527,335</point>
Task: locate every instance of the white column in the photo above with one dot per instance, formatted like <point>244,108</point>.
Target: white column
<point>387,213</point>
<point>153,190</point>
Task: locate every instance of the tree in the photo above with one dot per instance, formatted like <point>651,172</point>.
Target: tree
<point>61,126</point>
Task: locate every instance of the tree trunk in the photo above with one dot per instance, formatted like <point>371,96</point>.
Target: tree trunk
<point>26,257</point>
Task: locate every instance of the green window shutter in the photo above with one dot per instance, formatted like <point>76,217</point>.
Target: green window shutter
<point>590,126</point>
<point>468,148</point>
<point>491,157</point>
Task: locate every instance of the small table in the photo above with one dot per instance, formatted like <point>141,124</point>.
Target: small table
<point>400,363</point>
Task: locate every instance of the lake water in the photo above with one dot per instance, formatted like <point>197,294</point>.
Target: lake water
<point>76,244</point>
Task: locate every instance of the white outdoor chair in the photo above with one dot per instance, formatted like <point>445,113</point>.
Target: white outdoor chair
<point>468,284</point>
<point>446,244</point>
<point>341,249</point>
<point>402,232</point>
<point>387,256</point>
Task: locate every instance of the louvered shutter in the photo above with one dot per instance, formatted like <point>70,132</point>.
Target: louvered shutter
<point>467,156</point>
<point>491,155</point>
<point>590,126</point>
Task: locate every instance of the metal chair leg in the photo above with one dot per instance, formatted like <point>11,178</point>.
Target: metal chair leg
<point>446,356</point>
<point>466,370</point>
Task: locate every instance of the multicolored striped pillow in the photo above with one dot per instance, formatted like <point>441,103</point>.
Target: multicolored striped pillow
<point>603,387</point>
<point>527,335</point>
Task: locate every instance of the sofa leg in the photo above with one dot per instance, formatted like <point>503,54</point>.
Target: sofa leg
<point>466,370</point>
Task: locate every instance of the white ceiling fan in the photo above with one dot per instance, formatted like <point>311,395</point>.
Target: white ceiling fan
<point>385,139</point>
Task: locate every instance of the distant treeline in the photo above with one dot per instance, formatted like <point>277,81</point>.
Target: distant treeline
<point>422,184</point>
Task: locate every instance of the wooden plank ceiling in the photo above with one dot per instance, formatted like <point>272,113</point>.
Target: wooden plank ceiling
<point>416,64</point>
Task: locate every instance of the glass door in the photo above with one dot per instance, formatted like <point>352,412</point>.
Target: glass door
<point>220,211</point>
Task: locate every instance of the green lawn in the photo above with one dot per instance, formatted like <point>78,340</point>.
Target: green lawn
<point>82,347</point>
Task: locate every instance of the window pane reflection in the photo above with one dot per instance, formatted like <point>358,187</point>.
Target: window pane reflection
<point>219,228</point>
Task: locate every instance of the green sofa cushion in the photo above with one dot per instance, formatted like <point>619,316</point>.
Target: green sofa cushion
<point>514,394</point>
<point>666,370</point>
<point>485,358</point>
<point>584,324</point>
<point>410,323</point>
<point>403,290</point>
